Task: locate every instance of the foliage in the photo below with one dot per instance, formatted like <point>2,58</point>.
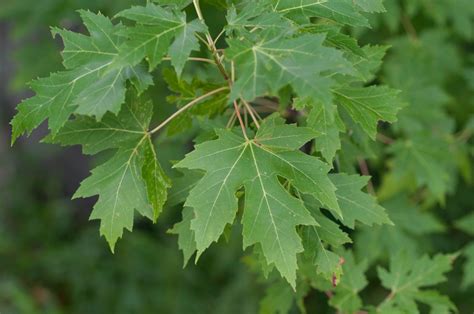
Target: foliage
<point>284,108</point>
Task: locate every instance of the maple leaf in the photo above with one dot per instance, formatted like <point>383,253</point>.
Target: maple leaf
<point>324,119</point>
<point>369,105</point>
<point>264,67</point>
<point>185,234</point>
<point>371,5</point>
<point>406,278</point>
<point>355,204</point>
<point>131,179</point>
<point>411,229</point>
<point>341,11</point>
<point>89,86</point>
<point>270,212</point>
<point>327,262</point>
<point>367,65</point>
<point>335,38</point>
<point>257,16</point>
<point>278,299</point>
<point>318,238</point>
<point>420,158</point>
<point>158,31</point>
<point>346,298</point>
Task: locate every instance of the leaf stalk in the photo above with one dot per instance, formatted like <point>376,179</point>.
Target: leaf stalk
<point>186,107</point>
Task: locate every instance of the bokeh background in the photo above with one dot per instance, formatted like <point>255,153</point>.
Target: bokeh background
<point>52,259</point>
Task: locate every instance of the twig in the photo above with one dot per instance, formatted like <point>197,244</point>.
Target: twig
<point>232,71</point>
<point>211,45</point>
<point>231,120</point>
<point>364,169</point>
<point>220,66</point>
<point>249,109</point>
<point>219,36</point>
<point>193,59</point>
<point>246,118</point>
<point>236,108</point>
<point>203,41</point>
<point>385,139</point>
<point>185,107</point>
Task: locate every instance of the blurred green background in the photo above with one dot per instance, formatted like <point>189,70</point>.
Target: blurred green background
<point>52,259</point>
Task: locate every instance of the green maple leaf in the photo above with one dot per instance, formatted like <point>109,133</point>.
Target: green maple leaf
<point>158,31</point>
<point>367,65</point>
<point>335,38</point>
<point>264,67</point>
<point>371,5</point>
<point>131,179</point>
<point>327,262</point>
<point>355,204</point>
<point>408,276</point>
<point>316,240</point>
<point>420,158</point>
<point>90,86</point>
<point>257,16</point>
<point>278,299</point>
<point>185,43</point>
<point>410,231</point>
<point>270,212</point>
<point>329,231</point>
<point>182,185</point>
<point>341,11</point>
<point>185,234</point>
<point>180,4</point>
<point>369,105</point>
<point>322,118</point>
<point>346,298</point>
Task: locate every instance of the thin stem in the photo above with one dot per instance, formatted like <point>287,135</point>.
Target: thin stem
<point>236,108</point>
<point>257,114</point>
<point>246,117</point>
<point>231,120</point>
<point>232,71</point>
<point>203,41</point>
<point>185,107</point>
<point>220,66</point>
<point>364,169</point>
<point>211,44</point>
<point>198,10</point>
<point>193,59</point>
<point>249,109</point>
<point>255,111</point>
<point>385,139</point>
<point>219,36</point>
